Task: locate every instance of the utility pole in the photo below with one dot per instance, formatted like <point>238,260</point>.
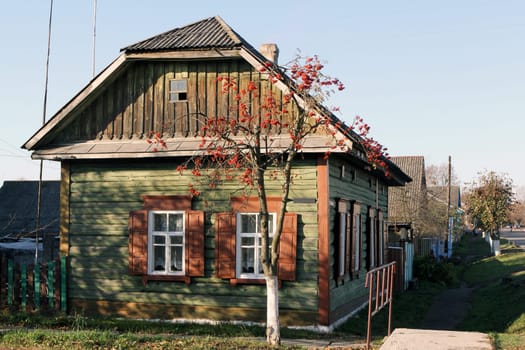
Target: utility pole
<point>449,187</point>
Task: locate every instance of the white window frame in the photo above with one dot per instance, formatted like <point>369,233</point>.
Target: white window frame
<point>166,234</point>
<point>381,235</point>
<point>256,246</point>
<point>178,94</point>
<point>358,233</point>
<point>342,243</point>
<point>344,221</point>
<point>372,235</point>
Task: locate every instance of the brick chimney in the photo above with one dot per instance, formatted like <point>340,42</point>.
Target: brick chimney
<point>270,51</point>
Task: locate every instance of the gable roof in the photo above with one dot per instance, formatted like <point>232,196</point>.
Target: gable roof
<point>207,34</point>
<point>18,207</point>
<point>404,202</point>
<point>209,38</point>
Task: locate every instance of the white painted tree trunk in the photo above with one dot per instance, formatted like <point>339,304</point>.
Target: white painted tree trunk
<point>273,330</point>
<point>496,248</point>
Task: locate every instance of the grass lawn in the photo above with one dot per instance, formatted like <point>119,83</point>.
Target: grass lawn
<point>498,304</point>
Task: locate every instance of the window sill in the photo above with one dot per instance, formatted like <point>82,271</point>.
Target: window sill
<point>148,278</point>
<point>260,281</point>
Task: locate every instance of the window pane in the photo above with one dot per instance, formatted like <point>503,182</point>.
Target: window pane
<point>176,259</point>
<point>247,260</point>
<point>159,240</point>
<point>260,265</point>
<point>248,223</point>
<point>176,240</point>
<point>159,222</point>
<point>159,257</point>
<point>178,85</point>
<point>175,222</point>
<point>247,241</point>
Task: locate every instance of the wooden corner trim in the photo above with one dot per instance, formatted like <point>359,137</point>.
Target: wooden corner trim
<point>323,209</point>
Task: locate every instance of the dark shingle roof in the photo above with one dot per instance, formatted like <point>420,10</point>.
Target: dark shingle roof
<point>404,202</point>
<point>18,207</point>
<point>209,33</point>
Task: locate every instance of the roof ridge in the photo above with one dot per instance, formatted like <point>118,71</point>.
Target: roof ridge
<point>205,33</point>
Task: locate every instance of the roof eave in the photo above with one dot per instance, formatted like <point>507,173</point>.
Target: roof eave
<point>113,67</point>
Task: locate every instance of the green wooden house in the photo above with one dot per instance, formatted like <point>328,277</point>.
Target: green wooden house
<point>139,246</point>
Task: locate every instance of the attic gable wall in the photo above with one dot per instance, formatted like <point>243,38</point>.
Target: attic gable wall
<point>136,101</point>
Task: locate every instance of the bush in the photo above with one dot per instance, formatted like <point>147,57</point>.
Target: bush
<point>426,268</point>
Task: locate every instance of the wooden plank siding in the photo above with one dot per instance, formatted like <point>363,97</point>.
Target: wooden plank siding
<point>101,196</point>
<point>353,183</point>
<point>136,102</point>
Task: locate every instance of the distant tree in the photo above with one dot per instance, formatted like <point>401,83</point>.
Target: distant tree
<point>517,213</point>
<point>433,219</point>
<point>489,201</point>
<point>437,175</point>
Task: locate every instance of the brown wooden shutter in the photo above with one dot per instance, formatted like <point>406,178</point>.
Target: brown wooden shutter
<point>225,245</point>
<point>138,242</point>
<point>288,248</point>
<point>194,243</point>
<point>353,266</point>
<point>348,242</point>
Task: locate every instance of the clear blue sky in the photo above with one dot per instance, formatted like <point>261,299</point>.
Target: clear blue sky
<point>433,78</point>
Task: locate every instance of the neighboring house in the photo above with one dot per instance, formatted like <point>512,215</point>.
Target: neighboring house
<point>18,218</point>
<point>139,246</point>
<point>407,205</point>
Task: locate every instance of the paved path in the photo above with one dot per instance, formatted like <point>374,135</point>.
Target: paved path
<point>448,309</point>
<point>417,339</point>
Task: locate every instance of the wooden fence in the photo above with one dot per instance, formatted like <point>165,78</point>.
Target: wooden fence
<point>404,256</point>
<point>29,288</point>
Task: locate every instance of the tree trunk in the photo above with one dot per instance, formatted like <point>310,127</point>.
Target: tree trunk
<point>273,331</point>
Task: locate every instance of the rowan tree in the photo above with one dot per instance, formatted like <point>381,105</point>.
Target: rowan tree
<point>257,142</point>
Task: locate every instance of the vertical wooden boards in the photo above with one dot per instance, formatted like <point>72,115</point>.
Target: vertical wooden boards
<point>212,89</point>
<point>135,101</point>
<point>119,92</point>
<point>180,108</point>
<point>223,70</point>
<point>127,113</point>
<point>138,101</point>
<point>99,116</point>
<point>110,110</point>
<point>201,91</point>
<point>169,127</point>
<point>158,106</point>
<point>149,81</point>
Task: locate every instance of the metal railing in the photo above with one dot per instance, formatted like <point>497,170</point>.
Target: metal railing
<point>380,281</point>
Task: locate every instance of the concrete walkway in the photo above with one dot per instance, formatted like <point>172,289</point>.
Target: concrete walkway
<point>417,339</point>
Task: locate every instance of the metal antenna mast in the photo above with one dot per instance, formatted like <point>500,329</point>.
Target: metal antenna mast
<point>39,195</point>
<point>94,33</point>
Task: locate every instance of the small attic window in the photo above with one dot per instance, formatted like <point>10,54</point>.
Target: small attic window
<point>178,90</point>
